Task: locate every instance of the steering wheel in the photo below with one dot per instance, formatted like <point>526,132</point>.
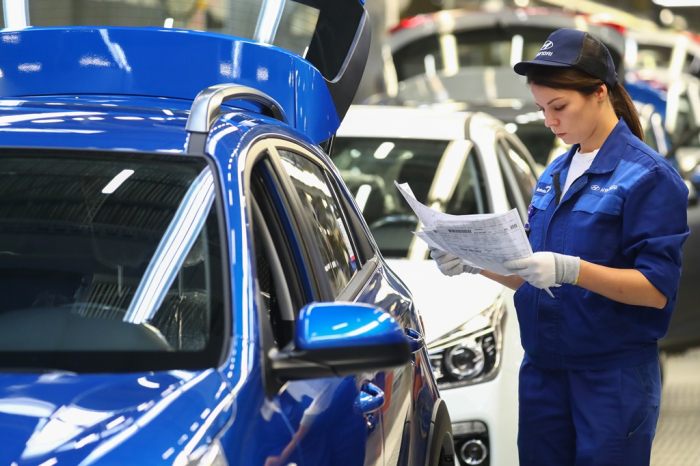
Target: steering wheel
<point>394,220</point>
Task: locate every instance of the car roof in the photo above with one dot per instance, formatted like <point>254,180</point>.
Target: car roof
<point>438,123</point>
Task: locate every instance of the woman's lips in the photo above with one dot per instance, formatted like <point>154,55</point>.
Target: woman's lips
<point>560,135</point>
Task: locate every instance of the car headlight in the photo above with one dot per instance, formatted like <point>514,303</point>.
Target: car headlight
<point>471,353</point>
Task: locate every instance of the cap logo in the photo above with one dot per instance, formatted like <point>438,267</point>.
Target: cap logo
<point>547,45</point>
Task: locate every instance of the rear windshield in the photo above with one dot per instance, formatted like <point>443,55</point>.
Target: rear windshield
<point>108,264</point>
<point>232,17</point>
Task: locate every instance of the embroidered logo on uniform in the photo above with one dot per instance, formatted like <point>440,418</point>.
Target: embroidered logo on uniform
<point>544,190</point>
<point>595,187</point>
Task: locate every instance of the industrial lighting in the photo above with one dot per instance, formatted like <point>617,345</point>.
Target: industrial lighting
<point>117,181</point>
<point>676,3</point>
<point>516,49</point>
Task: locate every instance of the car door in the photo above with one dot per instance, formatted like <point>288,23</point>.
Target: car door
<point>334,420</point>
<point>396,404</point>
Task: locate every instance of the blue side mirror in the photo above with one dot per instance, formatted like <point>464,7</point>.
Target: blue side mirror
<point>337,339</point>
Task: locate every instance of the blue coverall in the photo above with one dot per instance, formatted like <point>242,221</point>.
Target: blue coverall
<point>590,383</point>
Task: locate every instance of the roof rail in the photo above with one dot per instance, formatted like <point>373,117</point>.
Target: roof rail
<point>207,106</point>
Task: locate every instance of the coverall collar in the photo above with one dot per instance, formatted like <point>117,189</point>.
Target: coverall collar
<point>609,154</point>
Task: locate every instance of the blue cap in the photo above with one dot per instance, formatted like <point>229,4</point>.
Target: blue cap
<point>571,48</point>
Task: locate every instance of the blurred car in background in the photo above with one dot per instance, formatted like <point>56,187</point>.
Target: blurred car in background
<point>463,59</point>
<point>445,42</point>
<point>457,163</point>
<point>186,278</point>
<point>662,53</point>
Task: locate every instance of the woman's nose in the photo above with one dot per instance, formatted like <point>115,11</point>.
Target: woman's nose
<point>549,121</point>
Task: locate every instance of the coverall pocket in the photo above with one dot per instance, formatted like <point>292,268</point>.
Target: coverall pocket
<point>641,396</point>
<point>596,226</point>
<point>535,220</point>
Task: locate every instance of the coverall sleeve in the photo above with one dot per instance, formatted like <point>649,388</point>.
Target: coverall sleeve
<point>655,226</point>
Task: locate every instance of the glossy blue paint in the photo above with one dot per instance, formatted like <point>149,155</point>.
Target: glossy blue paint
<point>130,61</point>
<point>75,418</point>
<point>645,92</point>
<point>113,89</point>
<point>370,399</point>
<point>333,325</point>
<point>99,122</point>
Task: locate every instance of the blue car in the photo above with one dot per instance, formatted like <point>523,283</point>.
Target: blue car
<point>185,277</point>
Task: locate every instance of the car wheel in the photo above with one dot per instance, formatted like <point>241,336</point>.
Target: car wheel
<point>441,446</point>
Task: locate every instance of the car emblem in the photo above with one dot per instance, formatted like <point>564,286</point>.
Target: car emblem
<point>547,45</point>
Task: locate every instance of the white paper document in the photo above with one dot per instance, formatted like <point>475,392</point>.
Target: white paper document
<point>484,240</point>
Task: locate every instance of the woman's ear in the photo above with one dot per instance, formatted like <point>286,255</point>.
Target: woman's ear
<point>601,93</point>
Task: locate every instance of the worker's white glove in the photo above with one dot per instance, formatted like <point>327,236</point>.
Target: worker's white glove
<point>452,265</point>
<point>546,269</point>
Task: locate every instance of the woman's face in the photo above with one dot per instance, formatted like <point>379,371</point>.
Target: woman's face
<point>573,117</point>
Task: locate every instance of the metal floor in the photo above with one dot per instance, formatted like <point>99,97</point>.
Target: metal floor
<point>677,441</point>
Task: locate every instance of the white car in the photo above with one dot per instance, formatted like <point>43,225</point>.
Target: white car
<point>458,163</point>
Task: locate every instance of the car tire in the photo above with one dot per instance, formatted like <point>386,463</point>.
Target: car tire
<point>441,444</point>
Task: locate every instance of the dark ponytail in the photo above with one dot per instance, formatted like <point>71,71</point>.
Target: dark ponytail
<point>576,80</point>
<point>623,106</point>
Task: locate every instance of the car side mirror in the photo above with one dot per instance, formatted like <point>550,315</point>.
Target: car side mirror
<point>339,339</point>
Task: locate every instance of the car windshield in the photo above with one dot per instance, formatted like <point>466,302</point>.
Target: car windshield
<point>497,47</point>
<point>108,263</point>
<point>440,173</point>
<point>240,18</point>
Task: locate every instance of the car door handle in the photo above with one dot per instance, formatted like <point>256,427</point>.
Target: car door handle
<point>415,339</point>
<point>370,399</point>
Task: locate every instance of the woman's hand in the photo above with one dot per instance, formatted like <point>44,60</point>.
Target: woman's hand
<point>452,265</point>
<point>546,269</point>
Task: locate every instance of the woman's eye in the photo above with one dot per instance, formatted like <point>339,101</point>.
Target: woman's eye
<point>559,108</point>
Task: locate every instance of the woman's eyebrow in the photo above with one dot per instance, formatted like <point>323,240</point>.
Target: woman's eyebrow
<point>556,98</point>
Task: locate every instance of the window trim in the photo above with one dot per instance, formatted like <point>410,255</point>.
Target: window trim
<point>333,183</point>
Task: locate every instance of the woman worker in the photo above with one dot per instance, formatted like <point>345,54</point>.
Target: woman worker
<point>606,224</point>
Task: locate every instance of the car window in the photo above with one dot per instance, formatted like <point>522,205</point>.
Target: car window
<point>116,257</point>
<point>519,176</point>
<point>237,18</point>
<point>278,266</point>
<point>329,227</point>
<point>649,131</point>
<point>539,140</point>
<point>685,121</point>
<point>479,47</point>
<point>443,174</point>
<point>653,56</point>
